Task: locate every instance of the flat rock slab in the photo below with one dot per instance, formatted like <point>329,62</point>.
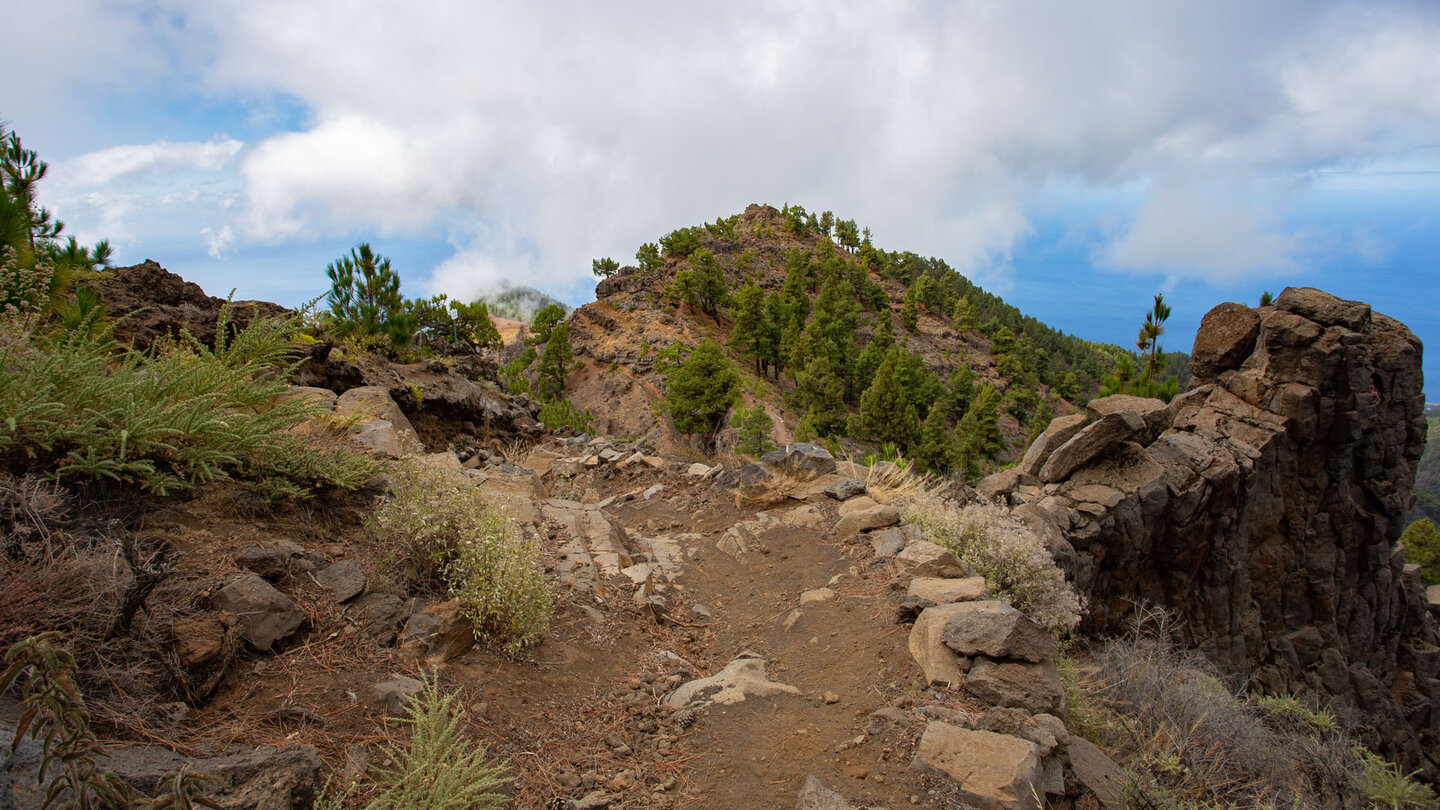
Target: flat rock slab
<point>923,558</point>
<point>1097,771</point>
<point>266,778</point>
<point>862,514</point>
<point>996,630</point>
<point>742,678</point>
<point>267,617</point>
<point>1036,688</point>
<point>1096,438</point>
<point>944,591</point>
<point>344,579</point>
<point>816,595</point>
<point>996,769</point>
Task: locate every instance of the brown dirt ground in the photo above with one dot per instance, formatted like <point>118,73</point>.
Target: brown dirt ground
<point>557,711</point>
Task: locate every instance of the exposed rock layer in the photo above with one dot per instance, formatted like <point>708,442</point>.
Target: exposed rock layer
<point>1264,507</point>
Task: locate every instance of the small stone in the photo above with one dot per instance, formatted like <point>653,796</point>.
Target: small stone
<point>817,595</point>
<point>829,698</point>
<point>394,693</point>
<point>845,490</point>
<point>270,563</point>
<point>344,579</point>
<point>266,615</point>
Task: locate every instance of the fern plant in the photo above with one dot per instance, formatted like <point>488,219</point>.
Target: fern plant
<point>75,405</point>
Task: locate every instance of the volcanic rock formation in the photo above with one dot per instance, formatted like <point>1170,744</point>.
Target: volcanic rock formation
<point>1263,507</point>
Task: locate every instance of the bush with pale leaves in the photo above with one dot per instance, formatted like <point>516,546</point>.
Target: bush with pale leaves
<point>437,531</point>
<point>1017,567</point>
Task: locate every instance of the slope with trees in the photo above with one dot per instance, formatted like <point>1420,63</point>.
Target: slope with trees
<point>851,344</point>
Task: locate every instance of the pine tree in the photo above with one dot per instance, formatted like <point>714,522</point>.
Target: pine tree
<point>755,426</point>
<point>886,414</point>
<point>960,389</point>
<point>545,322</point>
<point>980,429</point>
<point>604,268</point>
<point>365,297</point>
<point>910,311</point>
<point>750,332</point>
<point>554,364</point>
<point>962,315</point>
<point>820,396</point>
<point>776,316</point>
<point>700,391</point>
<point>937,451</point>
<point>881,342</point>
<point>648,258</point>
<point>706,288</point>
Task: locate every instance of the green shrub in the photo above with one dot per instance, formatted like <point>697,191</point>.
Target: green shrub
<point>1422,547</point>
<point>1017,567</point>
<point>1289,708</point>
<point>560,413</point>
<point>76,405</point>
<point>441,769</point>
<point>437,532</point>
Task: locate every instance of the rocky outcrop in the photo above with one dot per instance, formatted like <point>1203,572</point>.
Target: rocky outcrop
<point>146,302</point>
<point>1263,506</point>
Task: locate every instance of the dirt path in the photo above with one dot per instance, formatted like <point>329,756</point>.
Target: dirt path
<point>844,652</point>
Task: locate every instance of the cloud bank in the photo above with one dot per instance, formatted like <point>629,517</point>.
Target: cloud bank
<point>534,138</point>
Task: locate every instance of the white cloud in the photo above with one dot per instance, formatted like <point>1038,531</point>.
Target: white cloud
<point>535,137</point>
<point>106,166</point>
<point>1188,232</point>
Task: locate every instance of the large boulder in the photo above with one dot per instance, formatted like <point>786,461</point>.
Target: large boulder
<point>146,303</point>
<point>996,630</point>
<point>994,769</point>
<point>267,616</point>
<point>1060,431</point>
<point>1090,442</point>
<point>1226,337</point>
<point>942,667</point>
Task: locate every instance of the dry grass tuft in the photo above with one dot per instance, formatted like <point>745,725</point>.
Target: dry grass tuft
<point>1188,740</point>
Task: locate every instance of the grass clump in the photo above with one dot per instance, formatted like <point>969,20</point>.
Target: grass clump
<point>438,533</point>
<point>1189,741</point>
<point>76,405</point>
<point>1017,567</point>
<point>1385,786</point>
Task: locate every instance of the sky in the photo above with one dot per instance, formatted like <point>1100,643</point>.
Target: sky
<point>1074,158</point>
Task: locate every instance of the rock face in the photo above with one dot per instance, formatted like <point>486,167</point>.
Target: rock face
<point>1263,506</point>
<point>146,302</point>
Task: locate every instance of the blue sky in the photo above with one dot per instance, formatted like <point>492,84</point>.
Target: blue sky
<point>1074,158</point>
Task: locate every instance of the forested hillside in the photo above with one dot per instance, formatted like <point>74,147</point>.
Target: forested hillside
<point>838,340</point>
